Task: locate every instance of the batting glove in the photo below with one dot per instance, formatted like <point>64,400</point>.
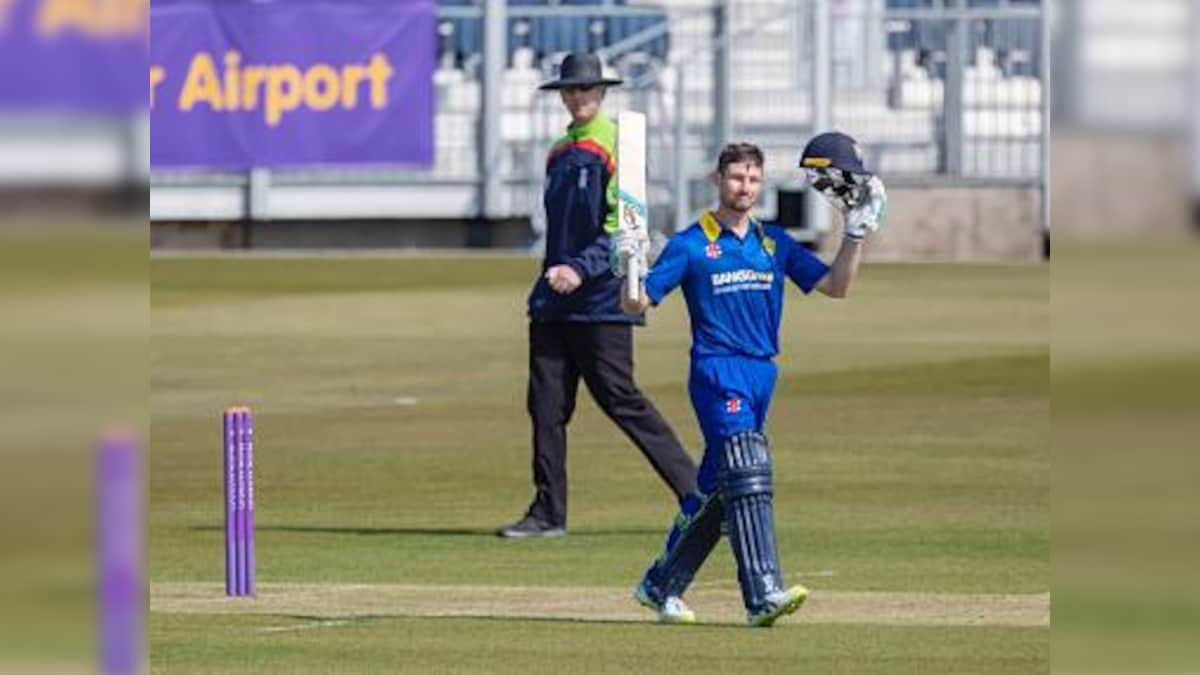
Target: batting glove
<point>626,246</point>
<point>869,213</point>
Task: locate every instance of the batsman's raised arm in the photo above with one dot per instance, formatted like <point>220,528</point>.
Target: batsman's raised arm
<point>843,271</point>
<point>863,218</point>
<point>833,166</point>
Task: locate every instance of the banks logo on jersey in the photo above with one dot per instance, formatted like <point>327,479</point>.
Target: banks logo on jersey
<point>742,280</point>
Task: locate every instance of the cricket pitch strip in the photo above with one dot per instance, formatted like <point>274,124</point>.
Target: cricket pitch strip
<point>353,602</point>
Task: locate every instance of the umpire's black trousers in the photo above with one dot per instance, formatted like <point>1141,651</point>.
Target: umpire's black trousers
<point>602,354</point>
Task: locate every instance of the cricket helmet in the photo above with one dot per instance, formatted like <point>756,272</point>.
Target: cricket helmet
<point>833,165</point>
<point>833,150</point>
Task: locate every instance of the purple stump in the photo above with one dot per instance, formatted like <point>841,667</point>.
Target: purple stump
<point>239,515</point>
<point>248,452</point>
<point>239,501</point>
<point>230,447</point>
<point>121,583</point>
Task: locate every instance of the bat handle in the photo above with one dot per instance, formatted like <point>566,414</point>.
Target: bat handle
<point>633,279</point>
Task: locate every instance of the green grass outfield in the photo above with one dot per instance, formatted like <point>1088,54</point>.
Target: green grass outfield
<point>910,429</point>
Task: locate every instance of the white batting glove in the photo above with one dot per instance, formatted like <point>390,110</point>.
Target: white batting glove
<point>869,212</point>
<point>626,246</point>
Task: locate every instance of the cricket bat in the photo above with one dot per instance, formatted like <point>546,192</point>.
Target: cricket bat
<point>631,188</point>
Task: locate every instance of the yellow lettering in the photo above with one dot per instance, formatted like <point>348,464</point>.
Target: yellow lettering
<point>230,85</point>
<point>233,61</point>
<point>284,92</point>
<point>157,75</point>
<point>201,84</point>
<point>380,71</point>
<point>121,17</point>
<point>351,77</point>
<point>57,15</point>
<point>135,17</point>
<point>252,78</point>
<point>321,87</point>
<point>96,18</point>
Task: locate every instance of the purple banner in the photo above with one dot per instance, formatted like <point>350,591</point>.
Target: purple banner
<point>67,55</point>
<point>245,83</point>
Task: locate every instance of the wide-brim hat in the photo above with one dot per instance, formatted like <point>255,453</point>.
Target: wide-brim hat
<point>580,69</point>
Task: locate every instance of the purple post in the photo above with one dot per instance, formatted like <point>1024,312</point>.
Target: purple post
<point>120,576</point>
<point>240,512</point>
<point>239,501</point>
<point>230,446</point>
<point>248,448</point>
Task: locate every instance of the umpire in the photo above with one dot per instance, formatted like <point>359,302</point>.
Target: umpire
<point>576,327</point>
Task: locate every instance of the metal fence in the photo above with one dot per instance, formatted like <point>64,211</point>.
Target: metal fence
<point>962,89</point>
<point>938,92</point>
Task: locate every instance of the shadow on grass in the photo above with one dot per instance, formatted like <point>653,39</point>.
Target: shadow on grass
<point>426,531</point>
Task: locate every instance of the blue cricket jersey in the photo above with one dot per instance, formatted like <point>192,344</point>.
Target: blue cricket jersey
<point>733,287</point>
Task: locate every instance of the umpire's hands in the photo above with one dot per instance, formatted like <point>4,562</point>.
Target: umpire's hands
<point>563,279</point>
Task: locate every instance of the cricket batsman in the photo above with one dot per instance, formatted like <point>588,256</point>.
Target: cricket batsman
<point>732,270</point>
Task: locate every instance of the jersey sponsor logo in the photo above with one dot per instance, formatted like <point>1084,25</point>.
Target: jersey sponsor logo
<point>733,405</point>
<point>742,280</point>
<point>713,251</point>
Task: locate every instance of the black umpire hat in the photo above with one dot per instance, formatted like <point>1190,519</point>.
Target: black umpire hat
<point>580,69</point>
<point>833,150</point>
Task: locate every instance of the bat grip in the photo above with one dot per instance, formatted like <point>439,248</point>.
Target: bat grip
<point>633,279</point>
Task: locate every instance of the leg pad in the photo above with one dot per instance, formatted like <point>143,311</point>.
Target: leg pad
<point>747,491</point>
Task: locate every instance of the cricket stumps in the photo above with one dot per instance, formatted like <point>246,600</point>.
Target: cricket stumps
<point>238,435</point>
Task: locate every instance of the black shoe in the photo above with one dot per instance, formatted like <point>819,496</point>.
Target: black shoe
<point>530,526</point>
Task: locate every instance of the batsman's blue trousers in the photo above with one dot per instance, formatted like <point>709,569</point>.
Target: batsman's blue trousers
<point>730,394</point>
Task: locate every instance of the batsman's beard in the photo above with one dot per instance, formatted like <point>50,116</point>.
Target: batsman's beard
<point>739,204</point>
